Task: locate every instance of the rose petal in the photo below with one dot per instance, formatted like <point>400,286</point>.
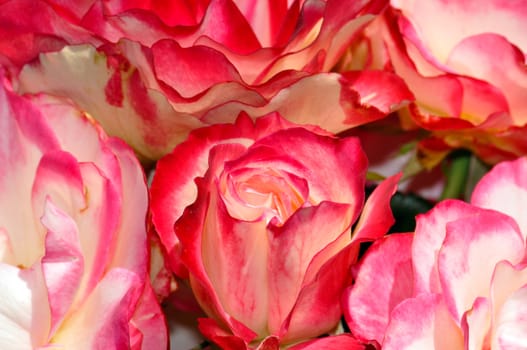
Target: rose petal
<point>346,102</point>
<point>472,248</point>
<point>376,217</point>
<point>371,95</point>
<point>474,56</point>
<point>191,71</point>
<point>385,278</point>
<point>504,189</point>
<point>134,107</point>
<point>328,35</point>
<point>422,322</point>
<point>430,233</point>
<point>108,309</point>
<point>15,309</point>
<point>293,247</point>
<point>172,189</point>
<point>339,177</point>
<point>447,96</point>
<point>27,136</point>
<point>269,343</point>
<point>476,324</point>
<point>23,36</point>
<point>188,229</point>
<point>266,18</point>
<point>506,281</point>
<point>172,13</point>
<point>57,178</point>
<point>149,321</point>
<point>237,36</point>
<point>510,323</point>
<point>461,20</point>
<point>130,250</point>
<point>210,329</point>
<point>234,254</point>
<point>317,309</point>
<point>63,263</point>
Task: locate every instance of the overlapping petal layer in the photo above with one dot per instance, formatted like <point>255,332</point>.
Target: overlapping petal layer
<point>151,75</point>
<point>464,61</point>
<point>262,227</point>
<point>74,250</point>
<point>452,284</point>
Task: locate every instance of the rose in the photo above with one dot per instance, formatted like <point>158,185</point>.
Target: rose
<point>464,61</point>
<point>259,217</point>
<point>73,250</point>
<point>460,281</point>
<point>151,74</point>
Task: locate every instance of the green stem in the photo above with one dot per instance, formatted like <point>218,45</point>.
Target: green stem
<point>456,175</point>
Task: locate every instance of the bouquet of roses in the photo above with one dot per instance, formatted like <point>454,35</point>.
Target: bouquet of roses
<point>263,175</point>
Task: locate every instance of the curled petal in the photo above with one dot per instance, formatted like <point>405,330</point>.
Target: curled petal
<point>173,190</point>
<point>384,279</point>
<point>191,71</point>
<point>430,233</point>
<point>269,343</point>
<point>225,340</point>
<point>504,189</point>
<point>27,137</point>
<point>149,322</point>
<point>130,206</point>
<point>472,248</point>
<point>63,263</point>
<point>343,159</point>
<point>461,20</point>
<point>476,323</point>
<point>371,95</point>
<point>474,56</point>
<point>24,36</point>
<point>377,218</point>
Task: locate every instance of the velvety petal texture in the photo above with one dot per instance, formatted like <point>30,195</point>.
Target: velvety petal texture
<point>153,72</point>
<point>458,282</point>
<point>73,249</point>
<point>263,228</point>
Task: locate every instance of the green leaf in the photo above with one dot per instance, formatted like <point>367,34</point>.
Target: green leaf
<point>373,176</point>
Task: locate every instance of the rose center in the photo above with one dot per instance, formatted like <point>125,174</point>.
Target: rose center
<point>263,195</point>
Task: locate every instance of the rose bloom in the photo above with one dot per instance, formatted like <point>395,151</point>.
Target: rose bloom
<point>464,61</point>
<point>459,282</point>
<point>259,217</point>
<point>73,250</point>
<point>151,71</point>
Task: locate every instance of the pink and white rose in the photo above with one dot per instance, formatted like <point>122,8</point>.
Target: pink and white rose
<point>153,71</point>
<point>464,61</point>
<point>459,282</point>
<point>259,216</point>
<point>73,249</point>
